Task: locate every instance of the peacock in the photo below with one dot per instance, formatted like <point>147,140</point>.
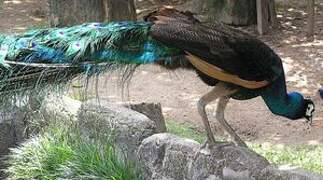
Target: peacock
<point>235,64</point>
<point>320,92</point>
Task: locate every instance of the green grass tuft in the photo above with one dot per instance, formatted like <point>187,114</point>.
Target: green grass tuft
<point>306,157</point>
<point>185,130</point>
<point>60,153</point>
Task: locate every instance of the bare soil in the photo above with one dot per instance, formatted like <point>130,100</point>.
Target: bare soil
<point>179,91</point>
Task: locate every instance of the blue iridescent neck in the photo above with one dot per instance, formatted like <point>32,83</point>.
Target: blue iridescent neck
<point>290,105</point>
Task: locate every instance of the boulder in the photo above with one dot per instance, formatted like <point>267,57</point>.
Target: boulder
<point>12,131</point>
<point>60,107</point>
<point>129,127</point>
<point>165,156</point>
<point>99,120</point>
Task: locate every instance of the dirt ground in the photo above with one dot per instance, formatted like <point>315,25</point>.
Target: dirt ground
<point>179,91</point>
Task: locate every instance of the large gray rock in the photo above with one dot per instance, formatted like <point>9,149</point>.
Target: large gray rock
<point>60,107</point>
<point>230,161</point>
<point>165,156</point>
<point>99,120</point>
<point>129,127</point>
<point>12,131</point>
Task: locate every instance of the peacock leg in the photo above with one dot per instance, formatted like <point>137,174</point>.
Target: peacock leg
<point>218,91</point>
<point>223,101</point>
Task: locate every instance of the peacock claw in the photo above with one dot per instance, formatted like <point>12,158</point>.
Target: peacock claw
<point>217,144</point>
<point>237,142</point>
<point>207,145</point>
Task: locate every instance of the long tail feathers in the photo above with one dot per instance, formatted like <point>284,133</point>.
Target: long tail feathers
<point>120,42</point>
<point>59,54</point>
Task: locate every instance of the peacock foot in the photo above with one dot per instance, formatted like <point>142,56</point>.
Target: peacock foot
<point>208,145</point>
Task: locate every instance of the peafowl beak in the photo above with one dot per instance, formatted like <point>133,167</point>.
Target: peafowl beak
<point>309,120</point>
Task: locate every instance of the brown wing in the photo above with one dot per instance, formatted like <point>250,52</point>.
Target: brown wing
<point>170,13</point>
<point>230,50</point>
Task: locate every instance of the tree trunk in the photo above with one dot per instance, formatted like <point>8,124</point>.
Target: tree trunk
<point>116,10</point>
<point>273,14</point>
<point>266,16</point>
<point>72,12</point>
<point>234,12</point>
<point>262,16</point>
<point>310,20</point>
<point>153,112</point>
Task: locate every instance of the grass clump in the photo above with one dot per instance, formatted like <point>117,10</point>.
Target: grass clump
<point>185,130</point>
<point>60,153</point>
<point>306,157</point>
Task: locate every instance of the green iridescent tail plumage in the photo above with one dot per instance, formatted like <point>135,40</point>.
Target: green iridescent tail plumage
<point>48,56</point>
<point>118,42</point>
<point>44,57</point>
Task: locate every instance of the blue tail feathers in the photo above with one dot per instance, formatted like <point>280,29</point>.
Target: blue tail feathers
<point>117,42</point>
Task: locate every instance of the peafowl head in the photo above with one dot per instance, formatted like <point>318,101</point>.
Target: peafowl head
<point>304,106</point>
<point>294,106</point>
<point>310,108</point>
